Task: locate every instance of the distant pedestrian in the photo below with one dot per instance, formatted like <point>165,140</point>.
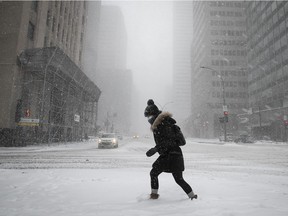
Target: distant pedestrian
<point>171,158</point>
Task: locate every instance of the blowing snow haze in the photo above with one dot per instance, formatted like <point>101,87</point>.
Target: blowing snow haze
<point>135,37</point>
<point>149,53</point>
<point>72,69</point>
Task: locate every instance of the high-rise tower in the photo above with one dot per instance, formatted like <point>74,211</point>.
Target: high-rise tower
<point>267,39</point>
<point>44,94</point>
<point>183,29</point>
<point>219,75</point>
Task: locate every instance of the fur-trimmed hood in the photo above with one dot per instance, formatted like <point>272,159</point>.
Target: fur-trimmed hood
<point>160,118</point>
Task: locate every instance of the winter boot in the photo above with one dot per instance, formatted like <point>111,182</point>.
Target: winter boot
<point>192,196</point>
<point>154,196</point>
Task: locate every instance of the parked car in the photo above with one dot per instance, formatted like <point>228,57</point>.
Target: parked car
<point>229,138</point>
<point>108,140</point>
<point>244,138</point>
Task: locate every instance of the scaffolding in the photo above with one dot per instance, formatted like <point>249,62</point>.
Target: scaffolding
<point>58,96</point>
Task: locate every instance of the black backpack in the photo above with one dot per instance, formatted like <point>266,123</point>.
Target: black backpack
<point>180,139</point>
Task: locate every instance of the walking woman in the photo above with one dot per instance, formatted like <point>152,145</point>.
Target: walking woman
<point>170,158</point>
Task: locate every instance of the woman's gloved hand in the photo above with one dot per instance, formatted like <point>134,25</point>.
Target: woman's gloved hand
<point>151,152</point>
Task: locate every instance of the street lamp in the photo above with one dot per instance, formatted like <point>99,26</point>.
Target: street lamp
<point>225,112</point>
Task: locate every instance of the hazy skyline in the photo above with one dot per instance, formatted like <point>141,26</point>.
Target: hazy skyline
<point>149,27</point>
<point>149,41</point>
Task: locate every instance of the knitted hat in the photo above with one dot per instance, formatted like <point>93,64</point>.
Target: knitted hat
<point>151,109</point>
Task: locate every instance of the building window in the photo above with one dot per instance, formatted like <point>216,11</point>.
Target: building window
<point>45,41</point>
<point>34,5</point>
<point>83,20</point>
<point>48,17</point>
<point>61,8</point>
<point>31,29</point>
<point>53,24</point>
<point>80,56</point>
<point>63,35</point>
<point>58,30</point>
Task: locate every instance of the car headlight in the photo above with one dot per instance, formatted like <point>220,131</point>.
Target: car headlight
<point>114,141</point>
<point>99,141</point>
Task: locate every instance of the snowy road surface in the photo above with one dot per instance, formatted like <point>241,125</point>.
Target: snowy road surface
<point>79,179</point>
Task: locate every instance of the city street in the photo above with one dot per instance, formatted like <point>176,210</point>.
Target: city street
<point>80,179</point>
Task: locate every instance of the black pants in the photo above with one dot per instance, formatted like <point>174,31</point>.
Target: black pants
<point>178,177</point>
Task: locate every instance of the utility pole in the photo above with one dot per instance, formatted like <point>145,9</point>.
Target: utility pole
<point>285,127</point>
<point>260,122</point>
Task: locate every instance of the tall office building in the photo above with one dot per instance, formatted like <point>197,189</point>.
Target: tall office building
<point>91,40</point>
<point>219,75</point>
<point>115,80</point>
<point>45,96</point>
<point>267,37</point>
<point>113,38</point>
<point>182,32</point>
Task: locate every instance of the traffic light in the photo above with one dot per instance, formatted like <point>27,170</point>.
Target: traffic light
<point>27,113</point>
<point>226,116</point>
<point>286,123</point>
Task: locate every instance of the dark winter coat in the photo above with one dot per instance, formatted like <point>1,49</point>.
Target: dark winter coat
<point>171,157</point>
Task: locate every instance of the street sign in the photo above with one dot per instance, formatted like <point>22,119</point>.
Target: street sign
<point>225,108</point>
<point>28,122</point>
<point>77,118</point>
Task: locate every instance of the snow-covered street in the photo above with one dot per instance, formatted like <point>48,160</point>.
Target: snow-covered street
<point>80,179</point>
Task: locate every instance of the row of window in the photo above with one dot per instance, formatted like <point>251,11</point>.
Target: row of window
<point>230,84</point>
<point>271,47</point>
<point>215,32</point>
<point>228,52</point>
<point>226,4</point>
<point>219,42</point>
<point>227,23</point>
<point>226,13</point>
<point>269,85</point>
<point>223,63</point>
<point>230,95</point>
<point>229,105</point>
<point>270,24</point>
<point>231,73</point>
<point>52,20</point>
<point>64,14</point>
<point>275,37</point>
<point>270,65</point>
<point>266,13</point>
